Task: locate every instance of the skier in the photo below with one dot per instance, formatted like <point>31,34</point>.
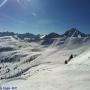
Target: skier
<point>66,61</point>
<point>70,57</point>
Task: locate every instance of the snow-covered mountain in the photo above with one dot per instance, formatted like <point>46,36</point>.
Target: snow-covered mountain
<point>50,38</point>
<point>18,36</point>
<point>33,66</point>
<point>73,32</point>
<point>7,38</point>
<point>52,35</point>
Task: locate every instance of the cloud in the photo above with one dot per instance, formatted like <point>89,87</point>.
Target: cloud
<point>3,3</point>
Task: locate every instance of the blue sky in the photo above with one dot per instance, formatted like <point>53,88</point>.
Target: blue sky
<point>44,16</point>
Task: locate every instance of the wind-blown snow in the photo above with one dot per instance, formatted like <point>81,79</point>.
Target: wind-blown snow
<point>35,67</point>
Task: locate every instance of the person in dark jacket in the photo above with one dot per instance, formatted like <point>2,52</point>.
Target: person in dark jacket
<point>66,61</point>
<point>70,57</point>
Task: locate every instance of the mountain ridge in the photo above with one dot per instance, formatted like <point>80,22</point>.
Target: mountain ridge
<point>73,32</point>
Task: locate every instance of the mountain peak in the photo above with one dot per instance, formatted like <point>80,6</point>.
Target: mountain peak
<point>52,35</point>
<point>73,32</point>
<point>73,29</point>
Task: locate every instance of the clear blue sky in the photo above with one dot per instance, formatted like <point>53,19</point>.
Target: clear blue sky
<point>44,16</point>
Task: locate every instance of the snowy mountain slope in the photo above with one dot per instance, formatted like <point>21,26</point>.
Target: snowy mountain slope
<point>49,56</point>
<point>83,58</point>
<point>7,38</point>
<point>23,51</point>
<point>18,58</point>
<point>32,66</point>
<point>74,76</point>
<point>18,35</point>
<point>73,32</point>
<point>69,42</point>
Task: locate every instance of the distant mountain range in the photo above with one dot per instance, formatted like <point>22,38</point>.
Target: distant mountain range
<point>73,32</point>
